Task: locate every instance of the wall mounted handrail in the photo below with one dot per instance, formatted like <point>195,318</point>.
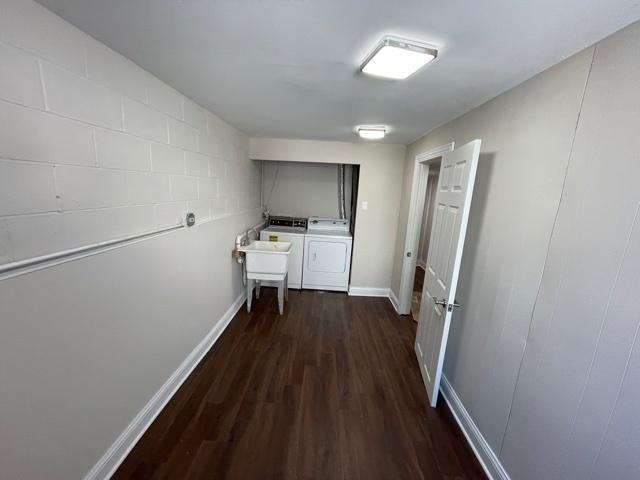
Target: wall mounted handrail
<point>53,258</point>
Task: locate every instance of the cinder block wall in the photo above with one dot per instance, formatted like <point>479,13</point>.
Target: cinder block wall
<point>93,147</point>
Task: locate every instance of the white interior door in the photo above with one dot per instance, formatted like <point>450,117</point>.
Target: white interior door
<point>453,200</point>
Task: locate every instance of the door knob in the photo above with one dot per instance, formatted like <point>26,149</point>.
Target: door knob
<point>443,303</point>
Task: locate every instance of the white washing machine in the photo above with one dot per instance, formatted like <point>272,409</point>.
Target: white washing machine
<point>295,235</point>
<point>327,254</point>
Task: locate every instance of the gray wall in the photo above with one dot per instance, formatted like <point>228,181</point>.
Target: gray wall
<point>93,147</point>
<point>303,189</point>
<point>109,151</point>
<point>86,344</point>
<point>544,352</point>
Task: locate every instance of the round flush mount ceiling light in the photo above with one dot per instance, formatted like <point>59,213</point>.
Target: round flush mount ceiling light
<point>371,132</point>
<point>397,58</point>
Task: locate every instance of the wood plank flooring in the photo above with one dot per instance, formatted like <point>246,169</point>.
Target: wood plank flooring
<point>330,390</point>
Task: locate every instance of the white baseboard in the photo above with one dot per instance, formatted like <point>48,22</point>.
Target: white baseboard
<point>118,451</point>
<point>394,301</point>
<point>375,292</point>
<point>368,292</point>
<point>486,456</point>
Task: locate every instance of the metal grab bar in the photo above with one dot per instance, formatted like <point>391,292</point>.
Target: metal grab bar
<point>63,254</point>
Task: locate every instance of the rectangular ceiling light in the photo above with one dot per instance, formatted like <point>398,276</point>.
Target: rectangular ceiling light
<point>372,133</point>
<point>397,58</point>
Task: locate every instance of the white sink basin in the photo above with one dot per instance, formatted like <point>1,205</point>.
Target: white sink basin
<point>267,257</point>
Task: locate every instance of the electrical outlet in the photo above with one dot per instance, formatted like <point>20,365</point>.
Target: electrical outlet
<point>365,205</point>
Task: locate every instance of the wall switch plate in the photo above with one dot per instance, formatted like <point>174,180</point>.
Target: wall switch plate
<point>365,205</point>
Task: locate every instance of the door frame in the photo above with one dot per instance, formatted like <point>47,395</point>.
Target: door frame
<point>414,223</point>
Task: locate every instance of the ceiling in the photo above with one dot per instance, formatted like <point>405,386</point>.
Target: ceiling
<point>289,68</point>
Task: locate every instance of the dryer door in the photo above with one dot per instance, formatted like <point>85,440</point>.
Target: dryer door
<point>326,263</point>
<point>327,256</point>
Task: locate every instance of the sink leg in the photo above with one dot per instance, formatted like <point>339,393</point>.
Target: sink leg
<point>250,283</point>
<point>286,288</point>
<point>258,288</point>
<point>281,296</point>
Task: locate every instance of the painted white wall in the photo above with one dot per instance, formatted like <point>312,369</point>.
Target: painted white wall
<point>92,147</point>
<point>581,367</point>
<point>543,352</point>
<point>303,189</point>
<point>381,170</point>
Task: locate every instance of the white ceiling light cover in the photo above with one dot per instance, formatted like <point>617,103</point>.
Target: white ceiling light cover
<point>372,133</point>
<point>397,58</point>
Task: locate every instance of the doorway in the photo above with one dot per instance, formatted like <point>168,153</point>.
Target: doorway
<point>424,237</point>
<point>425,162</point>
<point>451,215</point>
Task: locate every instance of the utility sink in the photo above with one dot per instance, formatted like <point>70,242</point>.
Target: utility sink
<point>270,258</point>
<point>267,261</point>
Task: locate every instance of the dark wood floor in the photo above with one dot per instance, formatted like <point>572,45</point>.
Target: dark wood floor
<point>330,390</point>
